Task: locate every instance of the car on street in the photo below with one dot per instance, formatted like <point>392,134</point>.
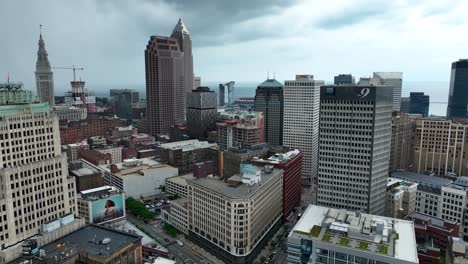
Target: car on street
<point>179,243</point>
<point>166,239</point>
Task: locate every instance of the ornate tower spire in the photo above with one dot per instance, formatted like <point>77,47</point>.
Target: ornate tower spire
<point>44,75</point>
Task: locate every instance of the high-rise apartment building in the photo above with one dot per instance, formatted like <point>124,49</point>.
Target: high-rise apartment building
<point>182,35</point>
<point>346,79</point>
<point>269,99</point>
<point>123,100</point>
<point>326,235</point>
<point>440,147</point>
<point>458,94</point>
<point>419,104</point>
<point>402,147</point>
<point>395,80</point>
<point>354,147</point>
<point>44,75</point>
<point>201,112</point>
<point>301,121</point>
<point>34,182</point>
<point>165,88</point>
<point>235,219</point>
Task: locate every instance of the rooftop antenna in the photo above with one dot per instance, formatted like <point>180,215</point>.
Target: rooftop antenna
<point>40,28</point>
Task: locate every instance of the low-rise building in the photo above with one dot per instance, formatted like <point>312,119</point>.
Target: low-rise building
<point>90,244</point>
<point>102,205</point>
<point>230,160</point>
<point>401,198</point>
<point>115,152</point>
<point>138,177</point>
<point>95,157</point>
<point>235,219</point>
<point>177,215</point>
<point>239,129</point>
<point>97,141</point>
<point>326,235</point>
<point>67,114</point>
<point>74,149</point>
<point>184,154</point>
<point>178,185</point>
<point>433,236</point>
<point>87,176</point>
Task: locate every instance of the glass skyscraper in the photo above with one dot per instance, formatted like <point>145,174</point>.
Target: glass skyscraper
<point>458,94</point>
<point>419,103</point>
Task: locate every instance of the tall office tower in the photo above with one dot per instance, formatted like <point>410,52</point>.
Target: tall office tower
<point>221,95</point>
<point>354,147</point>
<point>44,75</point>
<point>405,105</point>
<point>394,79</point>
<point>458,95</point>
<point>402,148</point>
<point>419,104</point>
<point>226,99</point>
<point>201,112</point>
<point>165,89</point>
<point>301,121</point>
<point>440,147</point>
<point>344,79</point>
<point>182,35</point>
<point>35,186</point>
<point>123,100</point>
<point>269,99</point>
<point>196,82</point>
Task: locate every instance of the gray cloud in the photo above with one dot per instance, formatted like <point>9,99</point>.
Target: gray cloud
<point>348,17</point>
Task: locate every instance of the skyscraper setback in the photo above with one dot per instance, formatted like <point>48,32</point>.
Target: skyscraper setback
<point>169,77</point>
<point>44,75</point>
<point>34,177</point>
<point>458,94</point>
<point>354,144</point>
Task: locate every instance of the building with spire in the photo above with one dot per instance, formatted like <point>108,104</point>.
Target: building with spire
<point>182,35</point>
<point>44,75</point>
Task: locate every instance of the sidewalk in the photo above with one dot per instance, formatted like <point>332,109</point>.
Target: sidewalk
<point>201,252</point>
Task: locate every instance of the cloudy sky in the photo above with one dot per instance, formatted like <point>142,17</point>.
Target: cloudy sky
<point>236,40</point>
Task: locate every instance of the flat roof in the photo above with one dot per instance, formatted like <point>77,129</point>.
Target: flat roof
<point>236,191</point>
<point>188,145</point>
<point>84,171</point>
<point>182,179</point>
<point>140,165</point>
<point>424,179</point>
<point>83,238</point>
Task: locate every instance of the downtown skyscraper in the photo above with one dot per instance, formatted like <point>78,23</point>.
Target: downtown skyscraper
<point>354,144</point>
<point>44,75</point>
<point>269,99</point>
<point>34,182</point>
<point>394,79</point>
<point>169,79</point>
<point>301,121</point>
<point>458,94</point>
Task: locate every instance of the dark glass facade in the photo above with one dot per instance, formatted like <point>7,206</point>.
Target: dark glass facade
<point>458,94</point>
<point>419,104</point>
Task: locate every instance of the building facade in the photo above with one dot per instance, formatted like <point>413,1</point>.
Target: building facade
<point>34,180</point>
<point>184,154</point>
<point>44,75</point>
<point>395,80</point>
<point>401,198</point>
<point>269,100</point>
<point>123,100</point>
<point>165,87</point>
<point>419,104</point>
<point>324,235</point>
<point>354,147</point>
<point>234,220</point>
<point>458,96</point>
<point>405,105</point>
<point>441,147</point>
<point>301,121</point>
<point>239,129</point>
<point>346,79</point>
<point>402,146</point>
<point>201,112</point>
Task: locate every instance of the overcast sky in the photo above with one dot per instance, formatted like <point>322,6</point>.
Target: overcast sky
<point>236,39</point>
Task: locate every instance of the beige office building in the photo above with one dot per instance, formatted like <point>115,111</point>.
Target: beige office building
<point>34,182</point>
<point>401,198</point>
<point>234,219</point>
<point>402,148</point>
<point>441,147</point>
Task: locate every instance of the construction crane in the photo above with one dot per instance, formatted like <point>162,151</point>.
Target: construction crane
<point>70,68</point>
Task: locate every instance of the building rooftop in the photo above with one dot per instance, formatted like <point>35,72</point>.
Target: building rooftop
<point>235,188</point>
<point>432,220</point>
<point>270,83</point>
<point>84,172</point>
<point>389,75</point>
<point>278,157</point>
<point>358,231</point>
<point>130,167</point>
<point>424,181</point>
<point>188,145</point>
<point>182,179</point>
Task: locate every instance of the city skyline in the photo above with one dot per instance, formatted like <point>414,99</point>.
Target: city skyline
<point>240,41</point>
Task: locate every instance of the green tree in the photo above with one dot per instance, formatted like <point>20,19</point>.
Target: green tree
<point>170,229</point>
<point>262,259</point>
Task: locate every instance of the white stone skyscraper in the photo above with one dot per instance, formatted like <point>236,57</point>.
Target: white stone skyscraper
<point>44,75</point>
<point>395,80</point>
<point>354,147</point>
<point>301,121</point>
<point>34,184</point>
<point>182,35</point>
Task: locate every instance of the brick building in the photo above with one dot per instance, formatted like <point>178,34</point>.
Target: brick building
<point>92,126</point>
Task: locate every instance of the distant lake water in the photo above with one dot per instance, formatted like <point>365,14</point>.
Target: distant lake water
<point>438,92</point>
